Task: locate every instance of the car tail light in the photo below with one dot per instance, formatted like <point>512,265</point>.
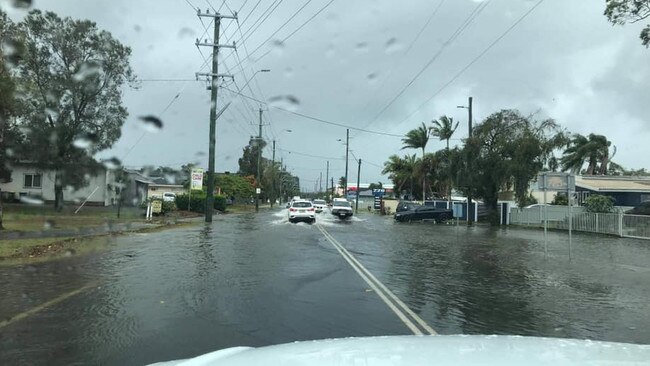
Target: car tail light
<point>292,209</point>
<point>310,209</point>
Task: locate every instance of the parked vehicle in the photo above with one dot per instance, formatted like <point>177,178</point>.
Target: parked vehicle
<point>642,209</point>
<point>342,209</point>
<point>406,205</point>
<point>440,215</point>
<point>319,205</point>
<point>302,211</point>
<point>169,197</point>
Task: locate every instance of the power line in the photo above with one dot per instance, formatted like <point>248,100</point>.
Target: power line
<point>318,119</point>
<point>455,77</point>
<point>299,28</point>
<point>309,155</point>
<point>451,39</point>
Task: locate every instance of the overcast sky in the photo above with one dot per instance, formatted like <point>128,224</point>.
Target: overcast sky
<point>351,60</point>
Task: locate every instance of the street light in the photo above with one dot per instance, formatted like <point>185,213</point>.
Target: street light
<point>251,78</point>
<point>469,191</point>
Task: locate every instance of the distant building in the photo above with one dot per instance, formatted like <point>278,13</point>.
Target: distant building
<point>27,180</point>
<point>141,187</point>
<point>626,191</point>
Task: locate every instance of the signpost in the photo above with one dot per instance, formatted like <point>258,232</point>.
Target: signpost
<point>379,195</point>
<point>557,182</point>
<point>196,182</point>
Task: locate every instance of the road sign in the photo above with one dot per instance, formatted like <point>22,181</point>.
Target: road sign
<point>197,178</point>
<point>377,205</point>
<point>378,192</point>
<point>156,206</point>
<point>258,190</point>
<point>556,181</point>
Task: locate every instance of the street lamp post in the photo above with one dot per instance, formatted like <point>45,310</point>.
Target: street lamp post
<point>469,188</point>
<point>347,151</point>
<point>251,78</point>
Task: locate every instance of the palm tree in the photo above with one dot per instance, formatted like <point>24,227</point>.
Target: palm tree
<point>401,171</point>
<point>442,128</point>
<point>418,138</point>
<point>593,149</point>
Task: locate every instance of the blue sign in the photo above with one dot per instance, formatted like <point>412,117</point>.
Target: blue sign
<point>378,192</point>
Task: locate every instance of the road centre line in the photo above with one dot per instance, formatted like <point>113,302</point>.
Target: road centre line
<point>382,291</point>
<point>43,306</point>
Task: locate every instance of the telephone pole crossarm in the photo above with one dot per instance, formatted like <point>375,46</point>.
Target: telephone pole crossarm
<point>215,15</point>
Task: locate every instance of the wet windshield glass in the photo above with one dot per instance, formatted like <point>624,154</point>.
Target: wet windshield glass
<point>167,170</point>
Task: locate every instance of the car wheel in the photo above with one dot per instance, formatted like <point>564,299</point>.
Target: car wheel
<point>313,221</point>
<point>442,219</point>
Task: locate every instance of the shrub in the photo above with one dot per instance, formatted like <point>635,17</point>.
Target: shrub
<point>220,203</point>
<point>560,200</point>
<point>168,207</point>
<point>197,203</point>
<point>599,203</point>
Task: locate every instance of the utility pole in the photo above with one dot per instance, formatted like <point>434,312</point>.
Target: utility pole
<point>356,205</point>
<point>281,177</point>
<point>469,191</point>
<point>258,187</point>
<point>273,176</point>
<point>214,76</point>
<point>327,178</point>
<point>347,151</point>
<point>320,182</point>
<point>332,186</point>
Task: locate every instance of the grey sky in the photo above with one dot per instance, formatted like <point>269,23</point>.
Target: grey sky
<point>351,60</point>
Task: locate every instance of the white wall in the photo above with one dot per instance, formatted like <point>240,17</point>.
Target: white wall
<point>101,196</point>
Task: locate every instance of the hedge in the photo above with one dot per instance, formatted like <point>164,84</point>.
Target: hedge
<point>198,202</point>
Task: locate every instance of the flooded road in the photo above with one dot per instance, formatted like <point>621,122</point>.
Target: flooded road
<point>257,280</point>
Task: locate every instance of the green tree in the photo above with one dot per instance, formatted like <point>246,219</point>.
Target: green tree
<point>599,203</point>
<point>507,149</point>
<point>248,161</point>
<point>402,172</point>
<point>342,182</point>
<point>444,129</point>
<point>72,77</point>
<point>418,138</point>
<point>233,185</point>
<point>621,12</point>
<point>593,149</point>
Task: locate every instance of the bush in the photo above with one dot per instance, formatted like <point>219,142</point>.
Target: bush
<point>528,200</point>
<point>168,207</point>
<point>560,200</point>
<point>197,203</point>
<point>599,203</point>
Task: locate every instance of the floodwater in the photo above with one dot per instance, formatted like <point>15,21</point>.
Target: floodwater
<point>255,280</point>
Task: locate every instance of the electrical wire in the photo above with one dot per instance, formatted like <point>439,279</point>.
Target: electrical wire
<point>308,155</point>
<point>473,61</point>
<point>320,119</point>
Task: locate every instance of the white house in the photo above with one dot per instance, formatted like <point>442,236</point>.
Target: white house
<point>28,180</point>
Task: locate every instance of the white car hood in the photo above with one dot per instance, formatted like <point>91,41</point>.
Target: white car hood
<point>430,350</point>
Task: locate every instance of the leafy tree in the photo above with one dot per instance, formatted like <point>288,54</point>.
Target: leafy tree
<point>593,149</point>
<point>71,76</point>
<point>599,203</point>
<point>375,186</point>
<point>248,161</point>
<point>402,172</point>
<point>507,149</point>
<point>342,182</point>
<point>621,12</point>
<point>233,185</point>
<point>560,200</point>
<point>418,138</point>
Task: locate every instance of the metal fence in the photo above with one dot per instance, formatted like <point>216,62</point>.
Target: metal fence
<point>633,226</point>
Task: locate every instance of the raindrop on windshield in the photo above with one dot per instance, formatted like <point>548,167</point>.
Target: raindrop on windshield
<point>288,72</point>
<point>288,102</point>
<point>48,224</point>
<point>372,77</point>
<point>9,152</point>
<point>137,28</point>
<point>31,200</point>
<point>85,141</point>
<point>186,32</point>
<point>112,163</point>
<point>331,51</point>
<point>10,51</point>
<point>277,46</point>
<point>86,70</point>
<point>392,46</point>
<point>361,47</point>
<point>151,123</point>
<point>21,4</point>
<point>200,153</point>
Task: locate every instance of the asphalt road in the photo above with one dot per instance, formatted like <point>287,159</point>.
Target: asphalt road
<point>257,280</point>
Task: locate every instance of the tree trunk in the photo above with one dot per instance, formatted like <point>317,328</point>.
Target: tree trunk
<point>424,179</point>
<point>1,211</point>
<point>58,191</point>
<point>449,183</point>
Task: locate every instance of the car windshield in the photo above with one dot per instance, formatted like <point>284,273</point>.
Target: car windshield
<point>486,163</point>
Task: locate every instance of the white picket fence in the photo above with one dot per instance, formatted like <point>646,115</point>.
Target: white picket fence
<point>632,226</point>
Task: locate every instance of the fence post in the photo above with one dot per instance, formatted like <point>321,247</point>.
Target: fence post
<point>620,224</point>
<point>596,221</point>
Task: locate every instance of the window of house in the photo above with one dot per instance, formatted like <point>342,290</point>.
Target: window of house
<point>32,181</point>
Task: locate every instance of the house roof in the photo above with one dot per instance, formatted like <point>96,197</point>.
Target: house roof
<point>614,184</point>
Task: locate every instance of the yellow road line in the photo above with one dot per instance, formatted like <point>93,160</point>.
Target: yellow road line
<point>44,305</point>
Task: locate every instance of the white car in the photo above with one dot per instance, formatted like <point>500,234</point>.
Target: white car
<point>302,211</point>
<point>342,209</point>
<point>169,197</point>
<point>320,205</point>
